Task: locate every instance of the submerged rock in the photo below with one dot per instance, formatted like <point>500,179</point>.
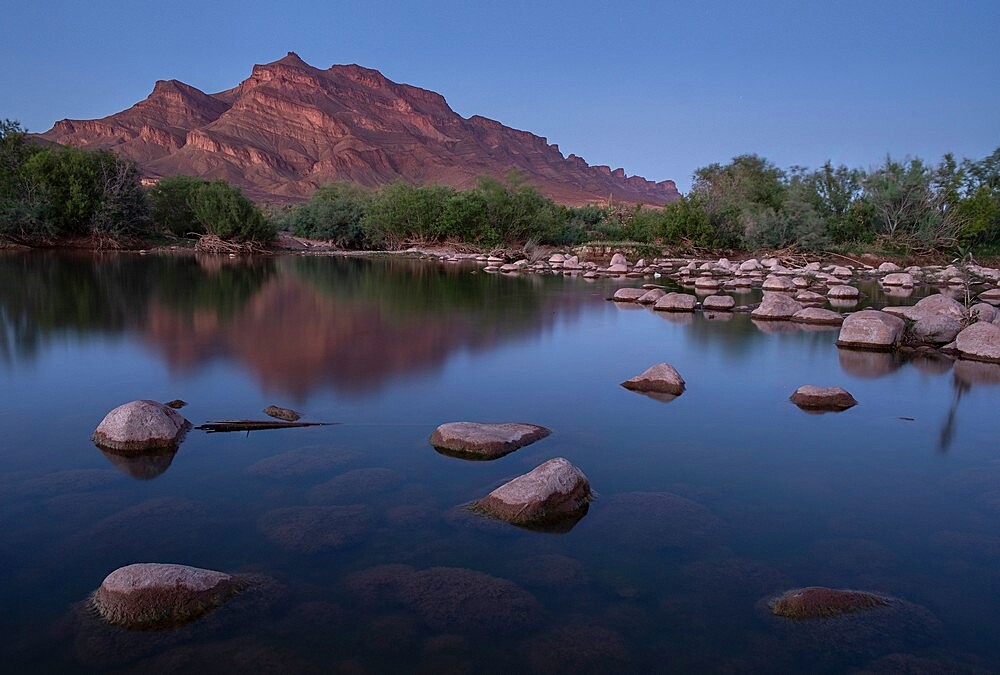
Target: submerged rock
<point>817,602</point>
<point>481,440</point>
<point>823,398</point>
<point>311,460</point>
<point>553,491</point>
<point>286,414</point>
<point>309,529</point>
<point>656,520</point>
<point>450,599</point>
<point>871,329</point>
<point>147,596</point>
<point>354,486</point>
<point>140,425</point>
<point>979,342</point>
<point>661,378</point>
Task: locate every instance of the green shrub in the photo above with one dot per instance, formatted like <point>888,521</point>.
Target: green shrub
<point>170,203</point>
<point>223,210</point>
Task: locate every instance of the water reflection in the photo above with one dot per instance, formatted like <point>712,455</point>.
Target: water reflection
<point>868,364</point>
<point>141,466</point>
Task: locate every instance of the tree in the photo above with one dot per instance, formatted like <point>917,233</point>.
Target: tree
<point>335,212</point>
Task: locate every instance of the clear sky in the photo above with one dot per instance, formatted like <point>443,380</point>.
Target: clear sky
<point>659,88</point>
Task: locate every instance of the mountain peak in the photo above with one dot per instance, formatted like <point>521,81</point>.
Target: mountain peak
<point>290,128</point>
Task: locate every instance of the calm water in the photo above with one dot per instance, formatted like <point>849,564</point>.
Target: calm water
<point>707,504</point>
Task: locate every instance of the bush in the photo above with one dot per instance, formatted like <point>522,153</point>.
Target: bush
<point>223,210</point>
<point>335,212</point>
<point>170,203</point>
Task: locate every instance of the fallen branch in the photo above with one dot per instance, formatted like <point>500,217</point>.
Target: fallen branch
<point>255,425</point>
<point>210,243</point>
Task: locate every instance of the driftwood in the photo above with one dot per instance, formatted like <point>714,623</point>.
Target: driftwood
<point>210,243</point>
<point>254,425</point>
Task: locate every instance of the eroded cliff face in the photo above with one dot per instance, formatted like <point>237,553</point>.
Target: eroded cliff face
<point>290,128</point>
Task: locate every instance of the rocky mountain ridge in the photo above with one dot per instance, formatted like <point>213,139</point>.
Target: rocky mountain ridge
<point>290,128</point>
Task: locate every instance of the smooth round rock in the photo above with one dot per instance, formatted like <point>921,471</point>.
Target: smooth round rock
<point>628,294</point>
<point>818,316</point>
<point>939,304</point>
<point>871,329</point>
<point>812,397</point>
<point>551,491</point>
<point>676,302</point>
<point>843,292</point>
<point>898,279</point>
<point>817,602</point>
<point>653,294</point>
<point>937,329</point>
<point>485,440</point>
<point>776,307</point>
<point>140,425</point>
<point>661,378</point>
<point>719,303</point>
<point>157,595</point>
<point>980,342</point>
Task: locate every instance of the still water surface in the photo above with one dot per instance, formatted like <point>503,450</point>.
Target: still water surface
<point>707,504</point>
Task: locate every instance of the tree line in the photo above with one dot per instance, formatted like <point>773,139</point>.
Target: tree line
<point>50,193</point>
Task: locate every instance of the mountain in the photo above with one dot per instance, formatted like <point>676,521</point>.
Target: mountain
<point>290,128</point>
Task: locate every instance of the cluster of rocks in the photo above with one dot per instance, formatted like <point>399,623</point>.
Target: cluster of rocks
<point>936,321</point>
<point>547,497</point>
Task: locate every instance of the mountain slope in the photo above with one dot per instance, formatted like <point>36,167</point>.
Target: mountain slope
<point>290,128</point>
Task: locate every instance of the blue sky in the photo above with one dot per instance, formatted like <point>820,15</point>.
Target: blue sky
<point>659,88</point>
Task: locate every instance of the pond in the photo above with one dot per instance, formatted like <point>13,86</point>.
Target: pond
<point>707,505</point>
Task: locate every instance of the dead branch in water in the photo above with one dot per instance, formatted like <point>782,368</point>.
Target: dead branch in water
<point>210,243</point>
<point>255,425</point>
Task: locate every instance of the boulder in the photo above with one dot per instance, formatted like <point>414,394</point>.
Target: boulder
<point>676,302</point>
<point>871,329</point>
<point>940,305</point>
<point>843,292</point>
<point>484,440</point>
<point>979,342</point>
<point>651,296</point>
<point>618,259</point>
<point>751,265</point>
<point>818,316</point>
<point>898,279</point>
<point>842,272</point>
<point>776,306</point>
<point>719,303</point>
<point>662,378</point>
<point>936,329</point>
<point>571,263</point>
<point>148,596</point>
<point>557,258</point>
<point>982,311</point>
<point>817,602</point>
<point>773,283</point>
<point>707,283</point>
<point>811,397</point>
<point>888,267</point>
<point>286,414</point>
<point>810,298</point>
<point>992,296</point>
<point>617,269</point>
<point>552,491</point>
<point>628,294</point>
<point>141,425</point>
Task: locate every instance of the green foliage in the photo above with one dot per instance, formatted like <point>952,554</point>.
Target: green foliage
<point>170,202</point>
<point>401,213</point>
<point>223,210</point>
<point>335,213</point>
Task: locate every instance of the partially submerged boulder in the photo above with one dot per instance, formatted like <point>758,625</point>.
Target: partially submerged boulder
<point>817,602</point>
<point>553,491</point>
<point>811,397</point>
<point>940,305</point>
<point>480,440</point>
<point>628,294</point>
<point>843,292</point>
<point>661,378</point>
<point>898,279</point>
<point>719,303</point>
<point>818,316</point>
<point>871,329</point>
<point>141,425</point>
<point>979,342</point>
<point>776,307</point>
<point>147,596</point>
<point>653,294</point>
<point>676,302</point>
